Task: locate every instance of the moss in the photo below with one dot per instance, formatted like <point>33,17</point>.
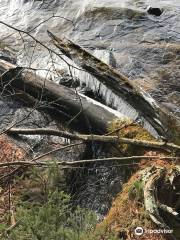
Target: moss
<point>4,46</point>
<point>120,217</point>
<point>171,123</point>
<point>125,128</point>
<point>114,13</point>
<point>136,191</point>
<point>127,213</point>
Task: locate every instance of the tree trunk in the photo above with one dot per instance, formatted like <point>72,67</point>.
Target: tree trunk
<point>79,109</point>
<point>122,87</point>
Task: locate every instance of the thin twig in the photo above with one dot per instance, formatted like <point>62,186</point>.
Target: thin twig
<point>89,161</point>
<point>39,157</point>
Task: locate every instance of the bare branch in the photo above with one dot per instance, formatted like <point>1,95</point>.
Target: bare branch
<point>98,138</point>
<point>132,159</point>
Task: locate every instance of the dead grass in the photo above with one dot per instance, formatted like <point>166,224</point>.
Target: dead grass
<point>9,152</point>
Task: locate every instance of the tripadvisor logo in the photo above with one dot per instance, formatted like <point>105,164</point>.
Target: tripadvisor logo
<point>139,231</point>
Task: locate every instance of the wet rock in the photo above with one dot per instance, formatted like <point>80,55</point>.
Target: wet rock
<point>174,97</point>
<point>172,108</point>
<point>95,187</point>
<point>44,143</point>
<point>25,1</point>
<point>7,110</point>
<point>113,13</point>
<point>24,117</point>
<point>7,55</point>
<point>29,118</point>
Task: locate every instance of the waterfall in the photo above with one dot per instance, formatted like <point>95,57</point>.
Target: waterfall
<point>16,5</point>
<point>95,31</point>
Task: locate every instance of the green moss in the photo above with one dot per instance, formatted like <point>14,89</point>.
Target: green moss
<point>2,46</point>
<point>120,217</point>
<point>114,13</point>
<point>125,128</point>
<point>136,191</point>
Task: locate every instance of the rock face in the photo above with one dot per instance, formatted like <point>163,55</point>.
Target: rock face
<point>6,55</point>
<point>145,47</point>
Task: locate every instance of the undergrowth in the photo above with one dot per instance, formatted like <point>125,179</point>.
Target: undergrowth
<point>46,212</point>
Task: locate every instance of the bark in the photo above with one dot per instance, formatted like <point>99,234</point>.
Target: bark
<point>98,138</point>
<point>120,85</point>
<point>150,199</point>
<point>152,180</point>
<point>78,109</point>
<point>169,210</point>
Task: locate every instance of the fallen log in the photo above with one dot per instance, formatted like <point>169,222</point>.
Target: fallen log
<point>150,199</point>
<point>152,180</point>
<point>79,109</point>
<point>152,177</point>
<point>169,210</point>
<point>145,194</point>
<point>98,138</point>
<point>121,86</point>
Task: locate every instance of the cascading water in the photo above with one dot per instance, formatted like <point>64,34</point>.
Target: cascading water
<point>121,33</point>
<point>107,28</point>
